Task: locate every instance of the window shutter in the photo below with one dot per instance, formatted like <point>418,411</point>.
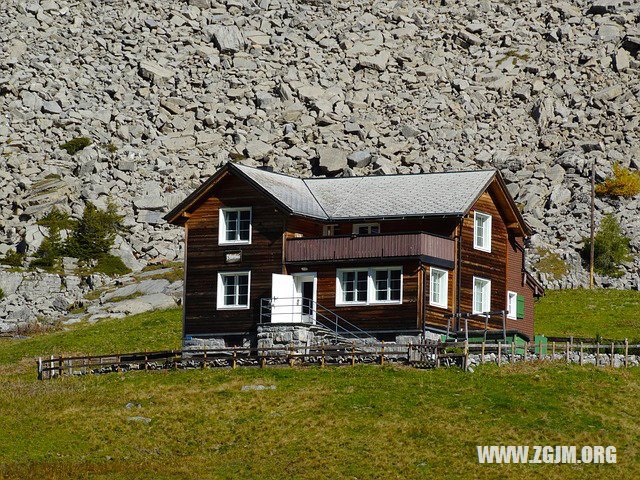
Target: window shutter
<point>520,306</point>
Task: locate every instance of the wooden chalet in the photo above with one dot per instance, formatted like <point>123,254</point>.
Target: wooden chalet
<point>387,255</point>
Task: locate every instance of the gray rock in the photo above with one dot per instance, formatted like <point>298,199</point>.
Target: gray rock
<point>258,150</point>
<point>248,388</point>
<point>376,62</point>
<point>228,39</point>
<point>138,418</point>
<point>150,202</point>
<point>359,159</point>
<point>155,73</point>
<point>331,160</point>
<point>51,107</point>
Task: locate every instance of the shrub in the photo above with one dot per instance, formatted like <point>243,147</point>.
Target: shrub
<point>111,265</point>
<point>551,264</point>
<point>111,148</point>
<point>57,219</point>
<point>623,183</point>
<point>12,259</point>
<point>74,146</point>
<point>50,251</point>
<point>611,248</point>
<point>95,233</point>
<point>1,294</point>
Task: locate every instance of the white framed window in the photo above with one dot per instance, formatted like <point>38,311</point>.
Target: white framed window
<point>364,286</point>
<point>329,230</point>
<point>481,295</point>
<point>351,286</point>
<point>482,231</point>
<point>366,228</point>
<point>235,226</point>
<point>386,285</point>
<point>512,304</point>
<point>233,290</point>
<point>439,291</point>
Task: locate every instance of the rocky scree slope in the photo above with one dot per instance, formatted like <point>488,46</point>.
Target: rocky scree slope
<point>540,90</point>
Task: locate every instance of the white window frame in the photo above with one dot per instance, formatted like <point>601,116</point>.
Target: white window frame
<point>220,299</point>
<point>329,230</point>
<point>444,289</point>
<point>372,285</point>
<point>339,291</point>
<point>512,306</point>
<point>486,238</point>
<point>356,227</point>
<point>488,306</point>
<point>371,293</point>
<point>222,226</point>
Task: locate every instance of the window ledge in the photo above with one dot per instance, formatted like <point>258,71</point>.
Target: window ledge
<point>438,305</point>
<point>482,249</point>
<point>239,242</point>
<point>233,308</point>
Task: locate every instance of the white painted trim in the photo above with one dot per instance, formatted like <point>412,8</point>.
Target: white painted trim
<point>356,226</point>
<point>339,272</point>
<point>487,232</point>
<point>444,290</point>
<point>512,314</point>
<point>220,292</point>
<point>222,226</point>
<point>473,306</point>
<point>372,285</point>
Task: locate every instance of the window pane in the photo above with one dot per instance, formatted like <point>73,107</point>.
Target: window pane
<point>243,298</point>
<point>242,280</point>
<point>374,229</point>
<point>363,230</point>
<point>362,295</point>
<point>229,300</point>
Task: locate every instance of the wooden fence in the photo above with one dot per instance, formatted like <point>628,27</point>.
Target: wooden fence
<point>425,355</point>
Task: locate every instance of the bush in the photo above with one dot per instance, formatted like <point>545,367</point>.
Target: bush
<point>551,264</point>
<point>624,183</point>
<point>1,294</point>
<point>111,265</point>
<point>74,146</point>
<point>611,248</point>
<point>57,219</point>
<point>12,259</point>
<point>50,251</point>
<point>95,233</point>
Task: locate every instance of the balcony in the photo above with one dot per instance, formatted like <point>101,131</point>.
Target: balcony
<point>353,247</point>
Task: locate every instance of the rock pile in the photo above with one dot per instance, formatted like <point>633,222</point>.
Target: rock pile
<point>169,90</point>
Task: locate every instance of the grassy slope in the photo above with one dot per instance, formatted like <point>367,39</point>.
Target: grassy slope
<point>587,313</point>
<point>362,422</point>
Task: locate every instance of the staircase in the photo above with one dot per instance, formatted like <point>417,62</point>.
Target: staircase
<point>319,319</point>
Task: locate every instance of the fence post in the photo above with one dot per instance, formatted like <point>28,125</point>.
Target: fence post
<point>235,357</point>
<point>204,360</point>
<point>60,366</point>
<point>513,352</point>
<point>567,351</point>
<point>553,350</point>
<point>353,353</point>
<point>291,355</point>
<point>322,354</point>
<point>118,366</point>
<point>382,354</point>
<point>146,360</point>
<point>540,350</point>
<point>409,353</point>
<point>526,349</point>
<point>597,353</point>
<point>612,353</point>
<point>482,351</point>
<point>466,355</point>
<point>499,353</point>
<point>626,352</point>
<point>581,353</point>
<point>39,368</point>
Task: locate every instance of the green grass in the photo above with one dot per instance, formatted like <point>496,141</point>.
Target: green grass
<point>589,313</point>
<point>152,331</point>
<point>363,422</point>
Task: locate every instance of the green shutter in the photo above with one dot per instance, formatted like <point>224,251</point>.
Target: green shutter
<point>520,306</point>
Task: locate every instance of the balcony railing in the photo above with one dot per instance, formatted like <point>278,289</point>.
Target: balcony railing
<point>369,246</point>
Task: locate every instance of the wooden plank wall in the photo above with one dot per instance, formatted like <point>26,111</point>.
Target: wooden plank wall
<point>491,265</point>
<point>205,258</point>
<point>516,284</point>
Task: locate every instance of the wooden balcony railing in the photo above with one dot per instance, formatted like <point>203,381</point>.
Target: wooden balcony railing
<point>369,246</point>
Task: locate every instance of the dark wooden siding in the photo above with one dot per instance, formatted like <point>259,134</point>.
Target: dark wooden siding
<point>205,258</point>
<point>490,265</point>
<point>369,246</point>
<point>374,316</point>
<point>436,315</point>
<point>439,226</point>
<point>515,283</point>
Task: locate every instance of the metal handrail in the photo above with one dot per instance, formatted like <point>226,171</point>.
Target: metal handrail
<point>351,328</point>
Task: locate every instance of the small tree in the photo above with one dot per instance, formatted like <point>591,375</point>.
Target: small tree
<point>611,248</point>
<point>94,234</point>
<point>623,183</point>
<point>50,250</point>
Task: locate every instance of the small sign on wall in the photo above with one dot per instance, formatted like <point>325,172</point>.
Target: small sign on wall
<point>233,257</point>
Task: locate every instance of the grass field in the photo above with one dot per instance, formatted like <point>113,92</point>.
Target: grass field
<point>351,422</point>
<point>589,313</point>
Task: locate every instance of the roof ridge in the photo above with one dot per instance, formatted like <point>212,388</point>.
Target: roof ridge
<point>315,198</point>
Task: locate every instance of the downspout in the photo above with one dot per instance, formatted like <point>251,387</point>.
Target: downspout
<point>459,273</point>
<point>424,302</point>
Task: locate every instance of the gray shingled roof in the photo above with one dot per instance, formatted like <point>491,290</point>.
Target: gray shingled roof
<point>347,198</point>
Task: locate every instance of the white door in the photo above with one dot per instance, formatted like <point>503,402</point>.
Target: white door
<point>286,303</point>
<point>306,289</point>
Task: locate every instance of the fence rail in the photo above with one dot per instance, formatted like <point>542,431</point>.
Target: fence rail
<point>423,355</point>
